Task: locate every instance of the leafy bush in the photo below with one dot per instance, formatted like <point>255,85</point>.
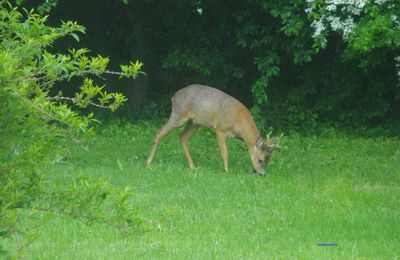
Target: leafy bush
<point>35,123</point>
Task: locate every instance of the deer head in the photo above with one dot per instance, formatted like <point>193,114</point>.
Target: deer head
<point>261,153</point>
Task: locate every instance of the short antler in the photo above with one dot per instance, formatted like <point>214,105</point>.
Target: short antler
<point>273,142</point>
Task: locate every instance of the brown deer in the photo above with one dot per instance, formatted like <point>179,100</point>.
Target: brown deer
<point>199,105</point>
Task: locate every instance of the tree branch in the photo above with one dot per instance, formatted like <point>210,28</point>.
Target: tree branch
<point>74,100</point>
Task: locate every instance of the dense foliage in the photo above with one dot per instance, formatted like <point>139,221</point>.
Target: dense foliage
<point>303,62</point>
<point>36,122</point>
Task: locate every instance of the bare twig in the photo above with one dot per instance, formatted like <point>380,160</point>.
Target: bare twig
<point>74,100</point>
<point>37,77</point>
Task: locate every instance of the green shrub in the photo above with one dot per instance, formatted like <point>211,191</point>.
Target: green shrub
<point>35,123</point>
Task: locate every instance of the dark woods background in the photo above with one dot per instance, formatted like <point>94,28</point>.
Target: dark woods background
<point>261,52</point>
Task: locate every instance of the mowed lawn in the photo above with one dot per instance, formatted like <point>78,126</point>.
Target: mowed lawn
<point>333,189</point>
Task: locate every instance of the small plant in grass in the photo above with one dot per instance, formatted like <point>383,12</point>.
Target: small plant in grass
<point>35,125</point>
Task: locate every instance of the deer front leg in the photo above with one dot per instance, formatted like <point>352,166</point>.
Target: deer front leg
<point>221,138</point>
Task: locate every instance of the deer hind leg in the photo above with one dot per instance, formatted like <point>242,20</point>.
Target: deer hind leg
<point>221,138</point>
<point>173,122</point>
<point>184,137</point>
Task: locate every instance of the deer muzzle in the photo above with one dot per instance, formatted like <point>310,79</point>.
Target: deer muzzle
<point>261,172</point>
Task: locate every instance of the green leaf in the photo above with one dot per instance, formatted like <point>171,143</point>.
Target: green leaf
<point>75,36</point>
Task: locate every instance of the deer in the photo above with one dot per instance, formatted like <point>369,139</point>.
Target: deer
<point>198,105</point>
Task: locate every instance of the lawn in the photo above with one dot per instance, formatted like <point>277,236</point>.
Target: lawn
<point>333,188</point>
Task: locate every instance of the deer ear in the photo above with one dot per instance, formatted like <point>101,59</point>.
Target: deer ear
<point>259,143</point>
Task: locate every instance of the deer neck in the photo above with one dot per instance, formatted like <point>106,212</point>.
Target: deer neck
<point>250,134</point>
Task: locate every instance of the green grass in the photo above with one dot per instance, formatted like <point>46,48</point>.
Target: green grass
<point>328,189</point>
